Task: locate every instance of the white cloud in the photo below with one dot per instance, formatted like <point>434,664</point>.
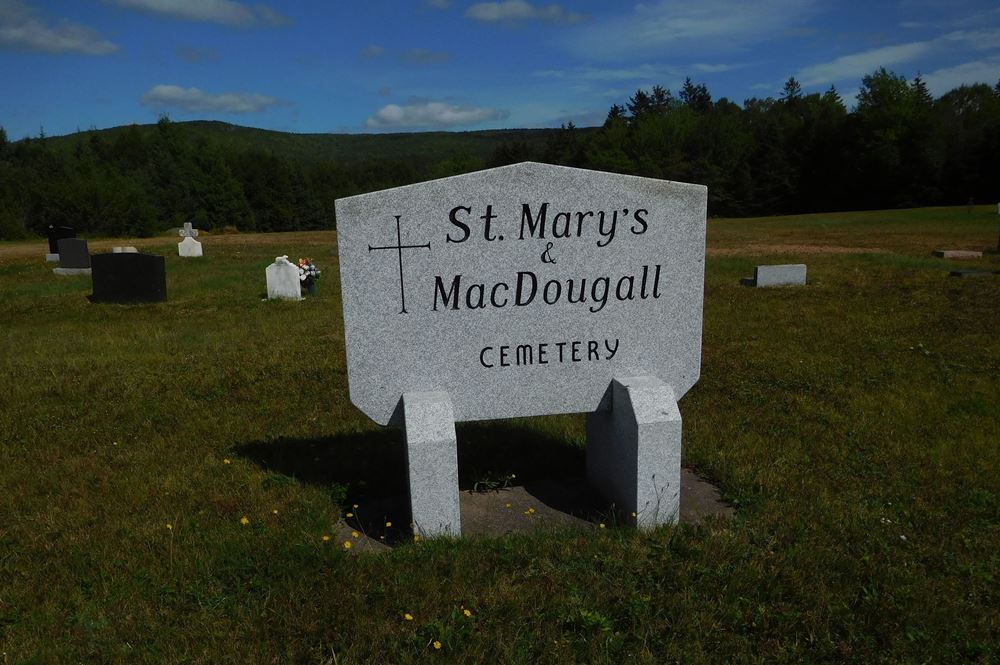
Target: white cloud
<point>710,26</point>
<point>980,40</point>
<point>977,71</point>
<point>856,65</point>
<point>198,101</point>
<point>23,29</point>
<point>422,56</point>
<point>642,72</point>
<point>714,69</point>
<point>431,114</point>
<point>227,12</point>
<point>520,10</point>
<point>371,51</point>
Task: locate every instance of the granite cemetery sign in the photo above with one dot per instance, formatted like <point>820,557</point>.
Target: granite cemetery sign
<point>526,290</point>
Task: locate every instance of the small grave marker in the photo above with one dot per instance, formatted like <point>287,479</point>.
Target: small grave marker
<point>55,234</point>
<point>74,257</point>
<point>527,290</point>
<point>283,280</point>
<point>189,247</point>
<point>789,274</point>
<point>957,254</point>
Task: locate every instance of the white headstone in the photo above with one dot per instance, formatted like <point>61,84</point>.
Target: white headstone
<point>789,274</point>
<point>188,247</point>
<point>124,250</point>
<point>283,280</point>
<point>527,290</point>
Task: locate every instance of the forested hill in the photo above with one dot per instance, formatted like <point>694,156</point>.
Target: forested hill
<point>898,147</point>
<point>420,147</point>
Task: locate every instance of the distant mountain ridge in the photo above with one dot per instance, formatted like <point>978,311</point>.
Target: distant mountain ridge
<point>347,149</point>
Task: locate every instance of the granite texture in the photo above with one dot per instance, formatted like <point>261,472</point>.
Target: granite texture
<point>189,247</point>
<point>432,463</point>
<point>634,450</point>
<point>789,274</point>
<point>393,278</point>
<point>283,281</point>
<point>73,253</point>
<point>127,277</point>
<point>957,254</point>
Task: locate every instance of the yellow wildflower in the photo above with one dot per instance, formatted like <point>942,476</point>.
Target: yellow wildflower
<point>244,521</point>
<point>225,461</point>
<point>355,506</point>
<point>437,644</point>
<point>325,537</point>
<point>388,524</point>
<point>417,538</point>
<point>467,613</point>
<point>354,534</point>
<point>508,505</point>
<point>601,525</point>
<point>531,510</point>
<point>633,515</point>
<point>169,525</point>
<point>408,616</point>
<point>275,511</point>
<point>347,544</point>
<point>350,514</point>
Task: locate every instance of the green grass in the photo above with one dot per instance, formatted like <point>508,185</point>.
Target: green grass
<point>839,418</point>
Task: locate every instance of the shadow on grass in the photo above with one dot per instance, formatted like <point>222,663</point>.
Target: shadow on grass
<point>369,469</point>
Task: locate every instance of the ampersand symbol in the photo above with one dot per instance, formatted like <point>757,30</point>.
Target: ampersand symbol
<point>546,258</point>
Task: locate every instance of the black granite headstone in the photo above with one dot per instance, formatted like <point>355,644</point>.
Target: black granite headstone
<point>128,278</point>
<point>73,253</point>
<point>57,233</point>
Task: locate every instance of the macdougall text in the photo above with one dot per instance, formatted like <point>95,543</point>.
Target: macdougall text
<point>526,288</point>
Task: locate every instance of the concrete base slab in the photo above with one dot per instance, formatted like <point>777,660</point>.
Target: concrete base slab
<point>52,258</point>
<point>71,271</point>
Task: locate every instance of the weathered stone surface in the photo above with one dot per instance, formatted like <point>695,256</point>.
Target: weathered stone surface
<point>957,254</point>
<point>634,451</point>
<point>522,290</point>
<point>124,250</point>
<point>432,463</point>
<point>189,247</point>
<point>789,274</point>
<point>283,280</point>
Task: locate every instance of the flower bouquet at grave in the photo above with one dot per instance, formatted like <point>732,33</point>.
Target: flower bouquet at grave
<point>308,275</point>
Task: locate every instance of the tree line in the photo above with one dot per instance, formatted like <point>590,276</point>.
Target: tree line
<point>899,147</point>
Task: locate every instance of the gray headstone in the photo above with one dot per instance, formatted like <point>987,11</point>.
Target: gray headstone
<point>522,290</point>
<point>189,247</point>
<point>73,253</point>
<point>283,280</point>
<point>957,254</point>
<point>124,250</point>
<point>790,274</point>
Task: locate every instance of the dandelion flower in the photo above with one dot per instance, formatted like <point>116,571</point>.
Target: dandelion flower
<point>275,511</point>
<point>388,524</point>
<point>169,525</point>
<point>354,534</point>
<point>417,538</point>
<point>355,506</point>
<point>347,544</point>
<point>244,521</point>
<point>437,645</point>
<point>467,613</point>
<point>350,514</point>
<point>226,461</point>
<point>531,510</point>
<point>634,515</point>
<point>325,538</point>
<point>408,616</point>
<point>508,505</point>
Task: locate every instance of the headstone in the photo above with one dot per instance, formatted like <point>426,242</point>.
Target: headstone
<point>124,250</point>
<point>128,277</point>
<point>189,247</point>
<point>74,257</point>
<point>283,280</point>
<point>957,254</point>
<point>521,291</point>
<point>55,234</point>
<point>789,274</point>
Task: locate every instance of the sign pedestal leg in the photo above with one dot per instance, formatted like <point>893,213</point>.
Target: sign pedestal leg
<point>432,463</point>
<point>634,450</point>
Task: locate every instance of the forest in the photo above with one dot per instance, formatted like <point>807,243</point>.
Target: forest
<point>898,147</point>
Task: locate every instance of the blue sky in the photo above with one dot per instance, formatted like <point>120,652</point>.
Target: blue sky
<point>377,66</point>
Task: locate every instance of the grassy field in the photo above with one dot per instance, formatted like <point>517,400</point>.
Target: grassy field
<point>854,423</point>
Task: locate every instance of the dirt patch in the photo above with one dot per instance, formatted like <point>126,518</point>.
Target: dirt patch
<point>754,249</point>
